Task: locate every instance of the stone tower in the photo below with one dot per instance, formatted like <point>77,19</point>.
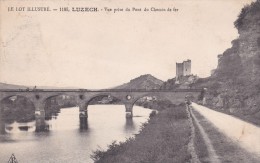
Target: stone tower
<point>183,69</point>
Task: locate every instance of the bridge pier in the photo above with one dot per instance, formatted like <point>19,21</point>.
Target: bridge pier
<point>83,116</point>
<point>2,123</point>
<point>2,127</point>
<point>40,117</point>
<point>39,110</point>
<point>40,124</point>
<point>40,121</point>
<point>129,110</point>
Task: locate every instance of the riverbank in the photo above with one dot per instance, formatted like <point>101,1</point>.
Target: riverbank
<point>165,138</point>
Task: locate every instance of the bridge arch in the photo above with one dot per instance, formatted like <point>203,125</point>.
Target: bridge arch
<point>57,95</point>
<point>113,97</point>
<point>91,98</point>
<point>14,95</point>
<point>16,105</point>
<point>30,97</point>
<point>148,95</point>
<point>52,104</point>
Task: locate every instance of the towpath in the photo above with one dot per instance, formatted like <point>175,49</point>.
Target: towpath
<point>228,139</point>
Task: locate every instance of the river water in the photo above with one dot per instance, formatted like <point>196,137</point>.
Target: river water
<point>65,141</point>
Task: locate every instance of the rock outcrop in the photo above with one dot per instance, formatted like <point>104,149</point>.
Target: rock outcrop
<point>183,82</point>
<point>235,84</point>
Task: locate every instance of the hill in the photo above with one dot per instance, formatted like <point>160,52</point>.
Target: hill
<point>11,86</point>
<point>142,82</point>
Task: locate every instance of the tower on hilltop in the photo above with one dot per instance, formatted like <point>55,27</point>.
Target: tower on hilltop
<point>183,69</point>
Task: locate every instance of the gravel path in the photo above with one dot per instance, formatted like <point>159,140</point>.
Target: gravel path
<point>246,135</point>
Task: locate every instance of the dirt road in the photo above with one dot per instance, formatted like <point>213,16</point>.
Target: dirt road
<point>243,134</point>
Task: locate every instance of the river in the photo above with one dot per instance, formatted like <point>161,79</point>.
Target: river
<point>65,141</point>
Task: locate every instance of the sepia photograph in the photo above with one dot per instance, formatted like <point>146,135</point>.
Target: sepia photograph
<point>133,81</point>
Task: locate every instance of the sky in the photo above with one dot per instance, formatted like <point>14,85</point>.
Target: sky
<point>106,49</point>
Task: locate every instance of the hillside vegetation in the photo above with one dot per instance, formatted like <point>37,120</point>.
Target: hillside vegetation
<point>142,82</point>
<point>235,86</point>
<point>236,82</point>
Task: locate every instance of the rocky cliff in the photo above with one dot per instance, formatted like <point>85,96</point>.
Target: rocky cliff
<point>235,85</point>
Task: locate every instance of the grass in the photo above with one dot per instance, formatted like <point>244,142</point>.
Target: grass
<point>163,139</point>
<point>200,146</point>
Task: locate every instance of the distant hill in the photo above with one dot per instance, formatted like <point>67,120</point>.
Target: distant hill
<point>11,86</point>
<point>142,82</point>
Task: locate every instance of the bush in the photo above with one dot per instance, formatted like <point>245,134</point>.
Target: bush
<point>152,114</point>
<point>252,8</point>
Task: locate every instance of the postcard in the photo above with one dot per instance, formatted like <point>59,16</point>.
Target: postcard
<point>133,81</point>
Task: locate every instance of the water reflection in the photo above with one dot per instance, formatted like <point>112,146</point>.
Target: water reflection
<point>2,127</point>
<point>16,127</point>
<point>8,128</point>
<point>83,122</point>
<point>68,137</point>
<point>45,124</point>
<point>41,125</point>
<point>24,128</point>
<point>129,125</point>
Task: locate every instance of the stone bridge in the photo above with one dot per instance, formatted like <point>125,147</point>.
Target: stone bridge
<point>83,96</point>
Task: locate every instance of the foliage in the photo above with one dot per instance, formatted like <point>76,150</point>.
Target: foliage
<point>113,149</point>
<point>20,110</point>
<point>152,114</point>
<point>252,8</point>
<point>239,22</point>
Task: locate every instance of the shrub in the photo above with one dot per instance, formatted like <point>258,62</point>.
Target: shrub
<point>252,8</point>
<point>152,114</point>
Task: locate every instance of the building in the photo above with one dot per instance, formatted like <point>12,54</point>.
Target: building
<point>183,69</point>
